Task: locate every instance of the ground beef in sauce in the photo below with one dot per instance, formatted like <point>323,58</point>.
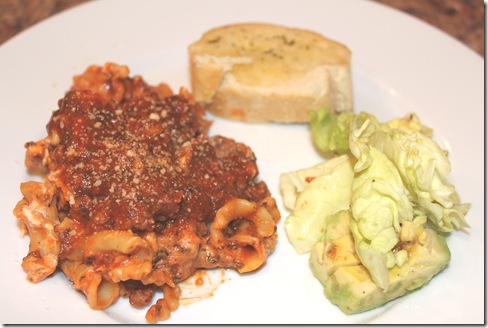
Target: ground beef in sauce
<point>127,156</point>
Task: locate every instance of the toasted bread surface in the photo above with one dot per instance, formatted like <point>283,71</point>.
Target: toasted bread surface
<point>264,72</point>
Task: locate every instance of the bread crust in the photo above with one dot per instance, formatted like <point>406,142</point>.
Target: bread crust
<point>258,72</point>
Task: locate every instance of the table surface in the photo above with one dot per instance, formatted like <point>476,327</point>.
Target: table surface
<point>462,19</point>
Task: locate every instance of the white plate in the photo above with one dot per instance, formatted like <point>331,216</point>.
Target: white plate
<point>399,65</point>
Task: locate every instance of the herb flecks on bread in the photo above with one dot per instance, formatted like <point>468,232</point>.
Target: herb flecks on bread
<point>269,73</point>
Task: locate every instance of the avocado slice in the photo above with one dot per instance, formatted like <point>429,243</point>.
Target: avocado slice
<point>348,284</point>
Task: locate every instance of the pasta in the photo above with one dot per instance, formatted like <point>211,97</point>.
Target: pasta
<point>39,215</point>
<point>249,224</point>
<point>164,306</point>
<point>136,196</point>
<point>99,291</point>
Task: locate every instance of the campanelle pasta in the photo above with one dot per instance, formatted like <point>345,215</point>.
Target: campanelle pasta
<point>39,216</point>
<point>247,247</point>
<point>100,292</point>
<point>136,196</point>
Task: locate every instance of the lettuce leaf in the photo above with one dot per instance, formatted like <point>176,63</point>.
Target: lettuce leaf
<point>380,204</point>
<point>315,194</point>
<point>398,184</point>
<point>422,165</point>
<point>331,130</point>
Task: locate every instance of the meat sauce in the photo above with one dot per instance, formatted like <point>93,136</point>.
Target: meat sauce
<point>127,156</point>
<point>145,162</point>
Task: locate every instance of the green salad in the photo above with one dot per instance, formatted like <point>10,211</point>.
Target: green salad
<point>374,217</point>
